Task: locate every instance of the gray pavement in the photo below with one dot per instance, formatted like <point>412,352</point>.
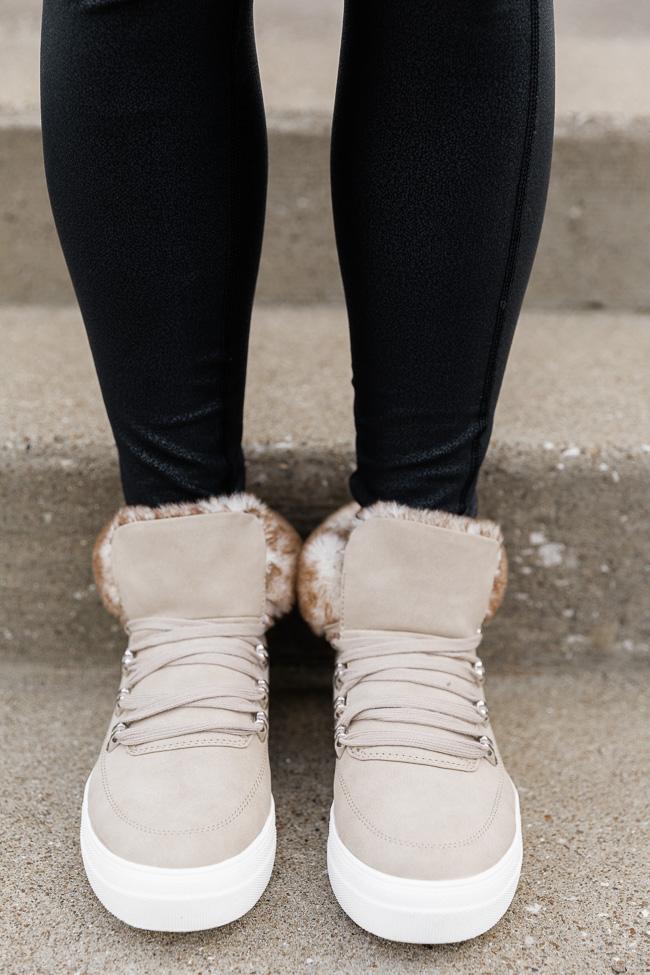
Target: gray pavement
<point>576,743</point>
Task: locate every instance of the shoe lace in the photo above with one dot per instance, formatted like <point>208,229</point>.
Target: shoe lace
<point>382,668</point>
<point>234,644</point>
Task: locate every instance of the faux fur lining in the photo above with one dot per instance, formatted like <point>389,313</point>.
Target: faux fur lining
<point>282,546</point>
<point>320,569</point>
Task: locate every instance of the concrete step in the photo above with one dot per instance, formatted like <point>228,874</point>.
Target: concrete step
<point>601,55</point>
<point>579,763</point>
<point>594,249</point>
<point>567,475</point>
<point>593,252</point>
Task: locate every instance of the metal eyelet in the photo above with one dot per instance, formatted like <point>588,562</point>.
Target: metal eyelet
<point>264,687</point>
<point>339,739</point>
<point>339,672</point>
<point>482,709</point>
<point>479,669</point>
<point>262,720</point>
<point>112,738</point>
<point>262,653</point>
<point>128,659</point>
<point>488,745</point>
<point>339,705</point>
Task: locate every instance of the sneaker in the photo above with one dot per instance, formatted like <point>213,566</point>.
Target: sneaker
<point>178,823</point>
<point>425,837</point>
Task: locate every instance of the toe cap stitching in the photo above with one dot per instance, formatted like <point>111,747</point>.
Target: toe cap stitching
<point>246,801</point>
<point>477,834</point>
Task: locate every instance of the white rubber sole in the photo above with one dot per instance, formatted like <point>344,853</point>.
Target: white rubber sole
<point>422,911</point>
<point>168,899</point>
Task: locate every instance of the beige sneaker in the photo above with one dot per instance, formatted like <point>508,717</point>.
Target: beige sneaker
<point>425,839</point>
<point>178,824</point>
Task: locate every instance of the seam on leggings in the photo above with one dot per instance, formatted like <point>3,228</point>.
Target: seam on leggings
<point>513,249</point>
<point>226,300</point>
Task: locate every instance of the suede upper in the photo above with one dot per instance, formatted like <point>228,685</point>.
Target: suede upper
<point>187,799</point>
<point>403,809</point>
<point>406,575</point>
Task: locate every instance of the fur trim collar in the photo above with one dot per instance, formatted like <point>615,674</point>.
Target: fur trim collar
<point>282,547</point>
<point>320,568</point>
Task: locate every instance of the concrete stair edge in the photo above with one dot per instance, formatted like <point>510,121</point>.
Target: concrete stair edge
<point>571,491</point>
<point>592,253</point>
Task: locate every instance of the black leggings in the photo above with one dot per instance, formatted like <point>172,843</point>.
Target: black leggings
<point>155,149</point>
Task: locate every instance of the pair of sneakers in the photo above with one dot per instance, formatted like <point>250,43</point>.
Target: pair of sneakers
<point>178,822</point>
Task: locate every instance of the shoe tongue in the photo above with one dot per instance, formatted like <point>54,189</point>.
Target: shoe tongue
<point>407,575</point>
<point>191,567</point>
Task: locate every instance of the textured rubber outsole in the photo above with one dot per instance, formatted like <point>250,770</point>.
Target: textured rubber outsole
<point>168,899</point>
<point>422,911</point>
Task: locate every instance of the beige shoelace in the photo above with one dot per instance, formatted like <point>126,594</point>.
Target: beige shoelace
<point>382,669</point>
<point>236,645</point>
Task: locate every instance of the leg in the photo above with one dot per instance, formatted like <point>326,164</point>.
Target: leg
<point>440,161</point>
<point>155,151</point>
<point>440,158</point>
